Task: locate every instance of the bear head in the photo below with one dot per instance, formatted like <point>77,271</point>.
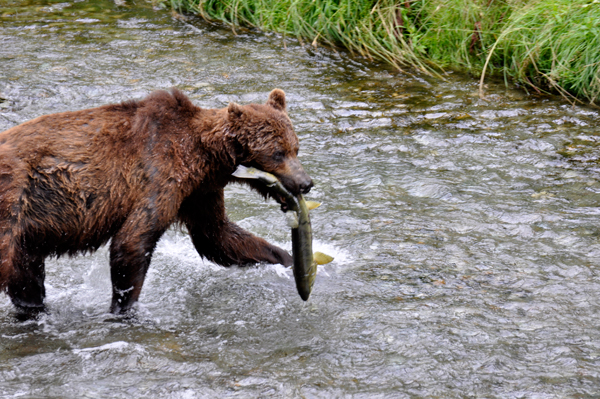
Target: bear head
<point>266,140</point>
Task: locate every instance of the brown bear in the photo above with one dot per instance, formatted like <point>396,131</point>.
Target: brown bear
<point>70,182</point>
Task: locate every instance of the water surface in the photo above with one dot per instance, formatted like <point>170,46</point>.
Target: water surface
<point>465,231</point>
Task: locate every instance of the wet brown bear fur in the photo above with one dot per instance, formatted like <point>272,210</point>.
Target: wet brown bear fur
<point>70,182</point>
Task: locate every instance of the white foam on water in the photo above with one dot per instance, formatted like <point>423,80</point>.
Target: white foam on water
<point>115,347</point>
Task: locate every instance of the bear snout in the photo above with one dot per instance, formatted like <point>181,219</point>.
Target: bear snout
<point>297,184</point>
<point>293,177</point>
<point>306,185</point>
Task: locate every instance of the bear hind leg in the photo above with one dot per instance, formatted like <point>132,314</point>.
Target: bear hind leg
<point>25,286</point>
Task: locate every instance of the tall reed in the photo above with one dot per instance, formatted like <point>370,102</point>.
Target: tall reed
<point>548,45</point>
<point>554,45</point>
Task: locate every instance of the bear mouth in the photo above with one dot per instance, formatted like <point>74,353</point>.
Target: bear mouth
<point>296,185</point>
<point>295,188</point>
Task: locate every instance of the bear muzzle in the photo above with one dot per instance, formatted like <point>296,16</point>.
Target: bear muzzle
<point>294,178</point>
<point>306,185</point>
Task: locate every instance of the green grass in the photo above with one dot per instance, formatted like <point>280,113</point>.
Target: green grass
<point>546,45</point>
<point>554,45</point>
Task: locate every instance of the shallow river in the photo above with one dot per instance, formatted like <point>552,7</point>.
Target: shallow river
<point>465,232</point>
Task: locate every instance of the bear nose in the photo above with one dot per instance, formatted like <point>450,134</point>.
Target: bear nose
<point>306,185</point>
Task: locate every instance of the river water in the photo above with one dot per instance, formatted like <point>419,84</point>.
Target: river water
<point>465,231</point>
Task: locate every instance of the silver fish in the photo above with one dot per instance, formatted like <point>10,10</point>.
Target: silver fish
<point>305,267</point>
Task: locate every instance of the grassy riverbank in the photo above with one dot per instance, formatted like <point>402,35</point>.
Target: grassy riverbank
<point>545,45</point>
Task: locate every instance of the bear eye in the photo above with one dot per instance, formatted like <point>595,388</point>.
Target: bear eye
<point>278,156</point>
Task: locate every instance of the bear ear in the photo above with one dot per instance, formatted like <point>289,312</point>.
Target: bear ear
<point>277,99</point>
<point>235,110</point>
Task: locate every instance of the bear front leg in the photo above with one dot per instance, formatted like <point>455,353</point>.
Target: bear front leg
<point>222,241</point>
<point>130,253</point>
<point>229,244</point>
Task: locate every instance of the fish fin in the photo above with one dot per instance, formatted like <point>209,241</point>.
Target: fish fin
<point>244,172</point>
<point>310,205</point>
<point>292,219</point>
<point>321,258</point>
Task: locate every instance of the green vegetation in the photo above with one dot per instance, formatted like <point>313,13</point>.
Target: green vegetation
<point>546,45</point>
